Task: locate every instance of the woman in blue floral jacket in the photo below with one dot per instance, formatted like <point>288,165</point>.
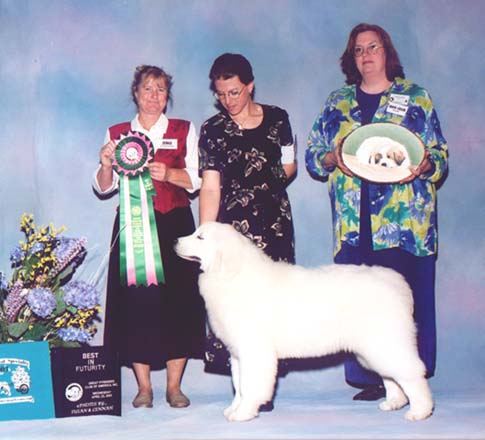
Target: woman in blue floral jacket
<point>392,225</point>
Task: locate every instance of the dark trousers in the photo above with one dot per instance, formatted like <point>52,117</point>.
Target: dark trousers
<point>419,272</point>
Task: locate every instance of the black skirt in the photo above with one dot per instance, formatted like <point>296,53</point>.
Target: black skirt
<point>151,325</point>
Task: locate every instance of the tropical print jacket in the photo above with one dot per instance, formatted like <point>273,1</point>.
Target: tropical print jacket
<point>402,216</point>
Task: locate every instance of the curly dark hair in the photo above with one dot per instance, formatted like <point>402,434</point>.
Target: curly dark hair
<point>347,60</point>
<point>144,71</point>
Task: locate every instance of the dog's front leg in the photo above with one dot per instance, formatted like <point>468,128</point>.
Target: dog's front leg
<point>257,375</point>
<point>237,388</point>
<point>420,399</point>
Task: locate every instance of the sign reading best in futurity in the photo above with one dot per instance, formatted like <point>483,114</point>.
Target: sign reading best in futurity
<point>86,382</point>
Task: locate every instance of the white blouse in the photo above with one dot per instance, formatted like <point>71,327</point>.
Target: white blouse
<point>156,134</point>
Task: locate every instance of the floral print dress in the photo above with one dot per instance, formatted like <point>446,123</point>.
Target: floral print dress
<point>253,182</point>
<point>253,188</point>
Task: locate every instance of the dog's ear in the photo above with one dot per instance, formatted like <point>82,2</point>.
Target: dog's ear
<point>398,157</point>
<point>216,264</point>
<point>226,261</point>
<point>374,159</point>
<point>227,258</point>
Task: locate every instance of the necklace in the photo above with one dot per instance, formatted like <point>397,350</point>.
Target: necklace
<point>241,123</point>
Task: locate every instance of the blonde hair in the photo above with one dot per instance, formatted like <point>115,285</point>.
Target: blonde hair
<point>144,71</point>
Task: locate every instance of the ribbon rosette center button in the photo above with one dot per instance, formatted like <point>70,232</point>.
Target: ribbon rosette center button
<point>132,154</point>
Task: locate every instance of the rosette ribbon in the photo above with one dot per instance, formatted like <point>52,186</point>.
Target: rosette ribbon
<point>140,258</point>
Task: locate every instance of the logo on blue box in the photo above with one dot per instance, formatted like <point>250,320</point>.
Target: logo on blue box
<point>25,381</point>
<point>15,383</point>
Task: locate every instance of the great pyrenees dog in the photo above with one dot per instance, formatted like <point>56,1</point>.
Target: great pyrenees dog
<point>264,310</point>
<point>383,151</point>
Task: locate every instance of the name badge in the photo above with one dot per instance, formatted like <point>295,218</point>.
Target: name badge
<point>399,99</point>
<point>165,144</point>
<point>397,109</point>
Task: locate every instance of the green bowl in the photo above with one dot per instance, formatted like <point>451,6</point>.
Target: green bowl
<point>374,173</point>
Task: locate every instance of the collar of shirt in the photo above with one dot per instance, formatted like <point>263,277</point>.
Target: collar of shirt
<point>158,129</point>
<point>155,133</point>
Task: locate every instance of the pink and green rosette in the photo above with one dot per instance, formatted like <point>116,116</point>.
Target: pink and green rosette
<point>140,258</point>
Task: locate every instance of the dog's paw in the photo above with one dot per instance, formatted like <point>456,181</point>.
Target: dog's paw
<point>241,416</point>
<point>242,413</point>
<point>393,404</point>
<point>233,406</point>
<point>229,410</point>
<point>421,414</point>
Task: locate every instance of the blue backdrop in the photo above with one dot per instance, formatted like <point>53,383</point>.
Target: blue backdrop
<point>65,73</point>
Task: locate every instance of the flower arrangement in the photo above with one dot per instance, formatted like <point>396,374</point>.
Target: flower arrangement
<point>41,301</point>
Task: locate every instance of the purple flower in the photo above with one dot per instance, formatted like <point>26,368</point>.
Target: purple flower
<point>15,301</point>
<point>81,295</point>
<point>37,247</point>
<point>68,251</point>
<point>67,247</point>
<point>3,281</point>
<point>41,301</point>
<point>17,255</point>
<point>74,334</point>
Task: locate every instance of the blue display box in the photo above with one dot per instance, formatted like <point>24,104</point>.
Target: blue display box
<point>25,381</point>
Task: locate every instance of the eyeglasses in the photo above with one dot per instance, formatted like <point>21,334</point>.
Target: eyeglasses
<point>231,94</point>
<point>371,49</point>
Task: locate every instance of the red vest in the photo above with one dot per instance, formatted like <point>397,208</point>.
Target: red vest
<point>168,196</point>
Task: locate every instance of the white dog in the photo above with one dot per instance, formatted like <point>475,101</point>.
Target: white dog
<point>383,151</point>
<point>264,310</point>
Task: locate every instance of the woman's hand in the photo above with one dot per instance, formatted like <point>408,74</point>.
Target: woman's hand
<point>105,172</point>
<point>158,171</point>
<point>106,154</point>
<point>423,168</point>
<point>334,159</point>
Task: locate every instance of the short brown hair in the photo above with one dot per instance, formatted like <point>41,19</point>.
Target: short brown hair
<point>347,60</point>
<point>229,65</point>
<point>144,71</point>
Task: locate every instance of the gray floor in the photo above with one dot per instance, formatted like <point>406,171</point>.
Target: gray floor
<point>309,405</point>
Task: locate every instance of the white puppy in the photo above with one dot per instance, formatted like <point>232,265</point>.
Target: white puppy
<point>383,151</point>
<point>264,310</point>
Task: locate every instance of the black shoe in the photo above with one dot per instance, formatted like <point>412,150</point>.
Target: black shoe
<point>266,407</point>
<point>373,392</point>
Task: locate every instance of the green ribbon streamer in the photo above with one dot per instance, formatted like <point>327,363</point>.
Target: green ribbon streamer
<point>123,226</point>
<point>137,230</point>
<point>134,216</point>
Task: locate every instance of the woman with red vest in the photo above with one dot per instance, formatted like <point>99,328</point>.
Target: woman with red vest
<point>157,325</point>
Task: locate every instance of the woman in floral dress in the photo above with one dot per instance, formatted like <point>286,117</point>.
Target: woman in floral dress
<point>246,159</point>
